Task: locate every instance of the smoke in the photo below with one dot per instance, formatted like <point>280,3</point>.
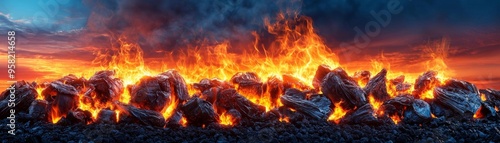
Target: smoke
<point>169,25</point>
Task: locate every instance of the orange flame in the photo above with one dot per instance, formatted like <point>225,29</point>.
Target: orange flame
<point>226,119</point>
<point>395,119</point>
<point>170,108</point>
<point>337,114</point>
<point>184,121</point>
<point>39,91</point>
<point>483,97</point>
<point>55,116</point>
<point>374,103</point>
<point>296,51</point>
<point>284,119</point>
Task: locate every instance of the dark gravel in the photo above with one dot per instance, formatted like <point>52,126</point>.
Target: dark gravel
<point>437,130</point>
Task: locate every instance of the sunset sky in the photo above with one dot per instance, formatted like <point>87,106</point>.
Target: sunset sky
<point>57,38</point>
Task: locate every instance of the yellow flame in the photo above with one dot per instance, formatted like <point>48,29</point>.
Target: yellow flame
<point>395,119</point>
<point>375,104</point>
<point>337,114</point>
<point>226,119</point>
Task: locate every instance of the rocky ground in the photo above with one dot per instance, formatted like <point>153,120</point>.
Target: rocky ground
<point>437,130</point>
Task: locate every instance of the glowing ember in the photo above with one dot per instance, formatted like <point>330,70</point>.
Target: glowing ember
<point>184,121</point>
<point>284,119</point>
<point>374,103</point>
<point>395,119</point>
<point>117,115</point>
<point>337,114</point>
<point>39,91</point>
<point>296,52</point>
<point>483,97</point>
<point>170,108</point>
<point>226,119</point>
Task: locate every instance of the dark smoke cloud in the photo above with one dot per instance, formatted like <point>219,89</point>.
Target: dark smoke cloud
<point>336,18</point>
<point>167,25</point>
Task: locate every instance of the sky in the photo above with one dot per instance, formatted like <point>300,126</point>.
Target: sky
<point>58,37</point>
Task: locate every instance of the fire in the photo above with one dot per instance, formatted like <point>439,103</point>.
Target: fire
<point>337,114</point>
<point>284,119</point>
<point>39,90</point>
<point>126,59</point>
<point>429,94</point>
<point>478,114</point>
<point>55,116</point>
<point>296,51</point>
<point>226,119</point>
<point>395,119</point>
<point>496,109</point>
<point>375,104</point>
<point>170,108</point>
<point>483,97</point>
<point>117,112</point>
<point>184,121</point>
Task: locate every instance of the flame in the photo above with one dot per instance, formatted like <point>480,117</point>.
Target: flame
<point>478,114</point>
<point>284,119</point>
<point>297,51</point>
<point>55,115</point>
<point>126,59</point>
<point>226,119</point>
<point>170,108</point>
<point>483,97</point>
<point>395,119</point>
<point>117,113</point>
<point>39,90</point>
<point>496,108</point>
<point>184,121</point>
<point>337,114</point>
<point>375,104</point>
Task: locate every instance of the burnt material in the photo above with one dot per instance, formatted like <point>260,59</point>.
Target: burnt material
<point>399,85</point>
<point>362,76</point>
<point>425,82</point>
<point>178,83</point>
<point>77,116</point>
<point>104,87</point>
<point>152,93</point>
<point>131,114</point>
<point>199,112</point>
<point>62,97</point>
<point>78,83</point>
<point>206,84</point>
<point>38,110</point>
<point>339,87</point>
<point>418,112</point>
<point>361,115</point>
<point>461,97</point>
<point>24,94</point>
<point>248,83</point>
<point>230,99</point>
<point>275,89</point>
<point>492,96</point>
<point>377,88</point>
<point>295,99</point>
<point>106,116</point>
<point>321,72</point>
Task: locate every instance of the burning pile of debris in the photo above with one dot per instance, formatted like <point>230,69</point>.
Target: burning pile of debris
<point>164,100</point>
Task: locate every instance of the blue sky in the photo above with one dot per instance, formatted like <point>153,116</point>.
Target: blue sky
<point>52,15</point>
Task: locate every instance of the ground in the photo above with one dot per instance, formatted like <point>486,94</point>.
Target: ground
<point>437,130</point>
